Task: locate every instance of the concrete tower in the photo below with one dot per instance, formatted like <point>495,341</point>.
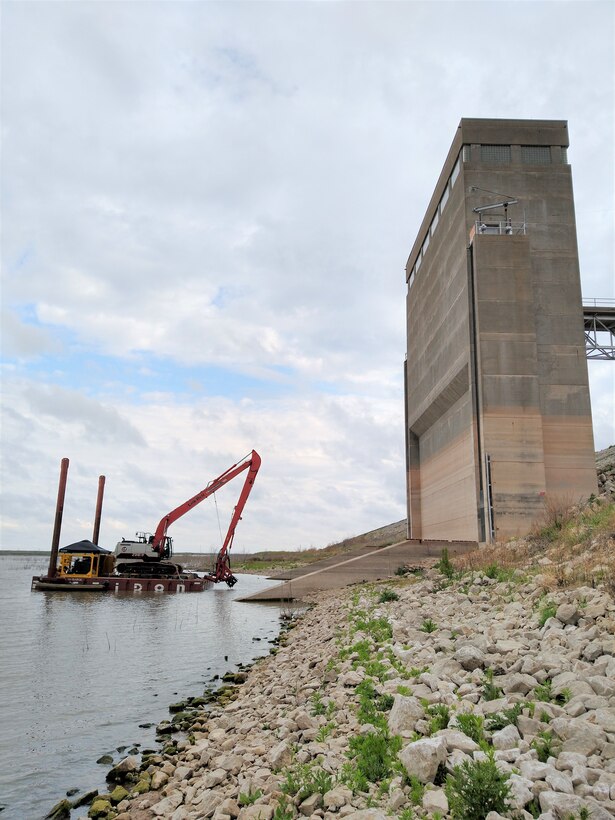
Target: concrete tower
<point>497,399</point>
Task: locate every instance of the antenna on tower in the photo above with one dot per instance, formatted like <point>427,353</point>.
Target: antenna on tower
<point>509,200</point>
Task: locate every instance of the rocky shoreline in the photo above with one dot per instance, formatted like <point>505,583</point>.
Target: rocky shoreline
<point>479,694</point>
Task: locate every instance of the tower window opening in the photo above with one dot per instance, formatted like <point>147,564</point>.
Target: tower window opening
<point>499,154</point>
<point>536,154</point>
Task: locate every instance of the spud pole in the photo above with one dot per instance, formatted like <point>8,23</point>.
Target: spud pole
<point>98,515</point>
<point>55,541</point>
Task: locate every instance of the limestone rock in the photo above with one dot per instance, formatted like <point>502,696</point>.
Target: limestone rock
<point>470,657</point>
<point>281,755</point>
<point>404,714</point>
<point>256,812</point>
<point>516,682</point>
<point>337,797</point>
<point>422,758</point>
<point>435,800</point>
<point>506,738</point>
<point>457,740</point>
<point>563,805</point>
<point>229,807</point>
<point>605,718</point>
<point>159,779</point>
<point>123,770</point>
<point>207,802</point>
<point>520,791</point>
<point>350,678</point>
<point>167,805</point>
<point>567,613</point>
<point>560,782</point>
<point>310,804</point>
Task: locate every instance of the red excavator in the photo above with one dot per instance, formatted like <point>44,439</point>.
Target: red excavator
<point>147,557</point>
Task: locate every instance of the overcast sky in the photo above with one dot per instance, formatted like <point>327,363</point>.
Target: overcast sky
<point>206,211</point>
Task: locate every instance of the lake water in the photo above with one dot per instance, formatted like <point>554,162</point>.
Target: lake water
<point>80,672</point>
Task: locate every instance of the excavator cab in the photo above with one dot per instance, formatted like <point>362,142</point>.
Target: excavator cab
<point>146,538</point>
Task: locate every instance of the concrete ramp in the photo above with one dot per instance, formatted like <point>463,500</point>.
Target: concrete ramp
<point>375,565</point>
<point>324,563</point>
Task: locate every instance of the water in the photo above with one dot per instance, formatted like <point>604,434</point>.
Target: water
<point>80,672</point>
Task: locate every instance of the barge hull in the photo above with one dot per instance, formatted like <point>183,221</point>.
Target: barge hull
<point>117,584</point>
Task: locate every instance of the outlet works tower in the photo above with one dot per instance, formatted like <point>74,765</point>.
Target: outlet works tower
<point>497,398</point>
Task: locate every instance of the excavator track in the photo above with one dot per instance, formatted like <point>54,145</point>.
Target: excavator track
<point>148,569</point>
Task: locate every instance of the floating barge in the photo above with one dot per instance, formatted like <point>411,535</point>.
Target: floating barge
<point>86,567</point>
<point>140,565</point>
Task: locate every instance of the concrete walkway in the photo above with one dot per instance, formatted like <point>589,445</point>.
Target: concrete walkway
<point>371,566</point>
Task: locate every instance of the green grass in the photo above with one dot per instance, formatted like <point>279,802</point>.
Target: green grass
<point>388,595</point>
<point>323,733</point>
<point>445,566</point>
<point>373,758</point>
<point>544,744</point>
<point>417,790</point>
<point>318,707</point>
<point>547,611</point>
<point>248,798</point>
<point>477,787</point>
<point>428,626</point>
<point>439,716</point>
<point>504,718</point>
<point>304,779</point>
<point>284,809</point>
<point>490,691</point>
<point>498,573</point>
<point>544,692</point>
<point>472,726</point>
<point>372,706</point>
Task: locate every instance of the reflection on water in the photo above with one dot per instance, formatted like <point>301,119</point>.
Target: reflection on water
<point>80,672</point>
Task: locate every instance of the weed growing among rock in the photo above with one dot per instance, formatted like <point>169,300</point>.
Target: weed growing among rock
<point>250,797</point>
<point>445,566</point>
<point>323,733</point>
<point>499,573</point>
<point>318,707</point>
<point>472,726</point>
<point>477,787</point>
<point>490,690</point>
<point>547,611</point>
<point>504,718</point>
<point>428,626</point>
<point>372,706</point>
<point>373,756</point>
<point>544,692</point>
<point>439,716</point>
<point>284,810</point>
<point>388,595</point>
<point>304,779</point>
<point>544,744</point>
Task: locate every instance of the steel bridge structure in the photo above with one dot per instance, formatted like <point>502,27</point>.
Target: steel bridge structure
<point>599,324</point>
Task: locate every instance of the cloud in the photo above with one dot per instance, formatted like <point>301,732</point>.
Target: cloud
<point>72,409</point>
<point>235,187</point>
<point>21,340</point>
<point>317,482</point>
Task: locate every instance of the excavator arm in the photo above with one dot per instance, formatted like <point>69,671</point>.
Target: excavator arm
<point>222,570</point>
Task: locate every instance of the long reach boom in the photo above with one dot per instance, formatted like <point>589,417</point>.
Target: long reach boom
<point>222,571</point>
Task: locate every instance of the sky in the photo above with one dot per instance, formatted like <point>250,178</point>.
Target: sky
<point>206,213</point>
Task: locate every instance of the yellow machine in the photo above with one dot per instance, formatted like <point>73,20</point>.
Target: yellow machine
<point>85,565</point>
